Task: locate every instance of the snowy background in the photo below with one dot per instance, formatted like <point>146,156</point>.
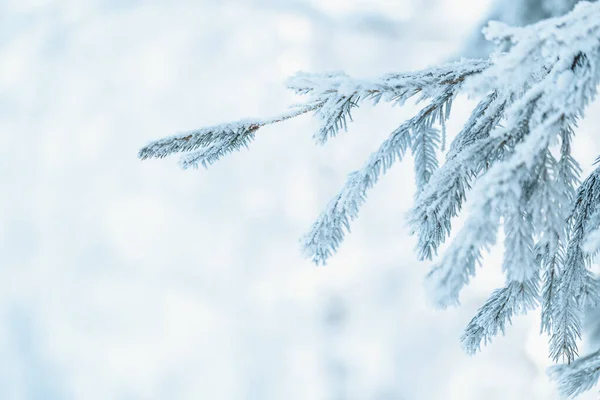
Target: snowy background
<point>122,279</point>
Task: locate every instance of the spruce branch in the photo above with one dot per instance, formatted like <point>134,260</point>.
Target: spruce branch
<point>329,230</point>
<point>574,275</point>
<point>330,96</point>
<point>578,377</point>
<point>512,160</point>
<point>216,140</point>
<point>442,199</point>
<point>513,299</point>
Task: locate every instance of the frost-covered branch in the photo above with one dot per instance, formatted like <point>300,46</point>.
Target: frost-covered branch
<point>577,377</point>
<point>215,141</point>
<point>469,154</point>
<point>512,161</point>
<point>549,104</point>
<point>337,93</point>
<point>330,96</point>
<point>574,277</point>
<point>329,230</point>
<point>513,299</point>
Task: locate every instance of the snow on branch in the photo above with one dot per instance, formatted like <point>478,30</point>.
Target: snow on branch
<point>329,230</point>
<point>574,277</point>
<point>214,141</point>
<point>443,198</point>
<point>536,120</point>
<point>330,96</point>
<point>512,160</point>
<point>513,299</point>
<point>577,377</point>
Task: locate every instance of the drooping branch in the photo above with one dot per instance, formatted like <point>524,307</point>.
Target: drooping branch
<point>577,377</point>
<point>330,228</point>
<point>532,95</point>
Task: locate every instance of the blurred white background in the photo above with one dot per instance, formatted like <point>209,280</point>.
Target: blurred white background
<point>122,279</point>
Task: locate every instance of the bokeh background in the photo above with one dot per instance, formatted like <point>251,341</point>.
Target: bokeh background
<point>122,279</point>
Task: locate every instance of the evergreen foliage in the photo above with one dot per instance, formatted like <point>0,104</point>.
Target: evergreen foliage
<point>512,159</point>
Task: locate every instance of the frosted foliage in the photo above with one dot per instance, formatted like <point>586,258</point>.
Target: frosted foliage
<point>512,160</point>
<point>579,376</point>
